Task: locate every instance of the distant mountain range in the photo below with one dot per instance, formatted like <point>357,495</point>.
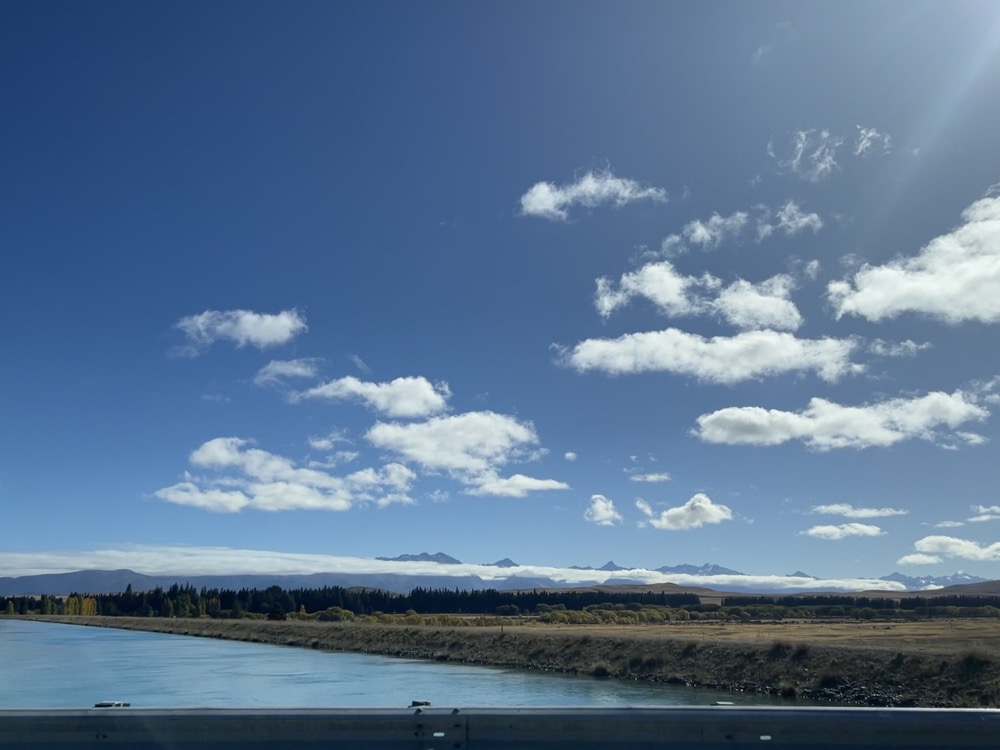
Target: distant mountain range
<point>111,581</point>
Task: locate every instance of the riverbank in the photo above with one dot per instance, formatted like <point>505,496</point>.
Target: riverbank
<point>798,665</point>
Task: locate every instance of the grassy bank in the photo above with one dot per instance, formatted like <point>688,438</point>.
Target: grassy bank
<point>872,665</point>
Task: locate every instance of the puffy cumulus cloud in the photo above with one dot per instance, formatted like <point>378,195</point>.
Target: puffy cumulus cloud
<point>849,511</point>
<point>242,327</point>
<point>660,283</point>
<point>593,189</point>
<point>470,447</point>
<point>954,278</point>
<point>695,513</point>
<point>789,219</point>
<point>825,425</point>
<point>569,456</point>
<point>720,359</point>
<point>941,547</point>
<point>276,372</point>
<point>654,478</point>
<point>743,304</point>
<point>602,511</point>
<point>518,485</point>
<point>764,305</point>
<point>810,154</point>
<point>403,397</point>
<point>871,142</point>
<point>707,234</point>
<point>249,477</point>
<point>842,531</point>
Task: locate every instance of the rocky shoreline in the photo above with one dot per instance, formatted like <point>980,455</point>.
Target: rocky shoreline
<point>835,674</point>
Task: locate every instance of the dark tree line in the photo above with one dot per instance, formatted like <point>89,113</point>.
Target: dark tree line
<point>276,603</point>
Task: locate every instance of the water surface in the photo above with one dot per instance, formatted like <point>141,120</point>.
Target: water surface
<point>49,665</point>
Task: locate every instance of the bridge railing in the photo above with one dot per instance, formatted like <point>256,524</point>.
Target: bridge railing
<point>435,728</point>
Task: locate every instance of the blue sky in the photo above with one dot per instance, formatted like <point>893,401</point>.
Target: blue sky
<point>291,287</point>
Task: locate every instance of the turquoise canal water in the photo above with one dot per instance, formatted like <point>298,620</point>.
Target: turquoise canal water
<point>47,665</point>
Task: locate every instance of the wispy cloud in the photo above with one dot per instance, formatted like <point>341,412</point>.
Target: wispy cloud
<point>241,327</point>
<point>403,397</point>
<point>849,511</point>
<point>489,484</point>
<point>720,359</point>
<point>825,425</point>
<point>593,189</point>
<point>277,372</point>
<point>602,511</point>
<point>654,478</point>
<point>842,531</point>
<point>871,142</point>
<point>789,219</point>
<point>810,154</point>
<point>694,514</point>
<point>908,348</point>
<point>954,278</point>
<point>985,513</point>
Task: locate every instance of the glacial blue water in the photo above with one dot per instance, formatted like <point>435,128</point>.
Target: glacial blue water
<point>47,665</point>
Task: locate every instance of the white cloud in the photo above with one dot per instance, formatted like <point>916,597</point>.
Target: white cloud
<point>763,305</point>
<point>708,234</point>
<point>518,485</point>
<point>871,142</point>
<point>658,282</point>
<point>949,546</point>
<point>569,456</point>
<point>549,201</point>
<point>907,348</point>
<point>654,478</point>
<point>789,219</point>
<point>918,559</point>
<point>359,363</point>
<point>824,425</point>
<point>985,513</point>
<point>954,278</point>
<point>469,447</point>
<point>327,442</point>
<point>276,372</point>
<point>711,233</point>
<point>602,511</point>
<point>695,513</point>
<point>812,269</point>
<point>188,561</point>
<point>721,359</point>
<point>948,524</point>
<point>811,154</point>
<point>248,477</point>
<point>849,511</point>
<point>242,327</point>
<point>842,531</point>
<point>403,397</point>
